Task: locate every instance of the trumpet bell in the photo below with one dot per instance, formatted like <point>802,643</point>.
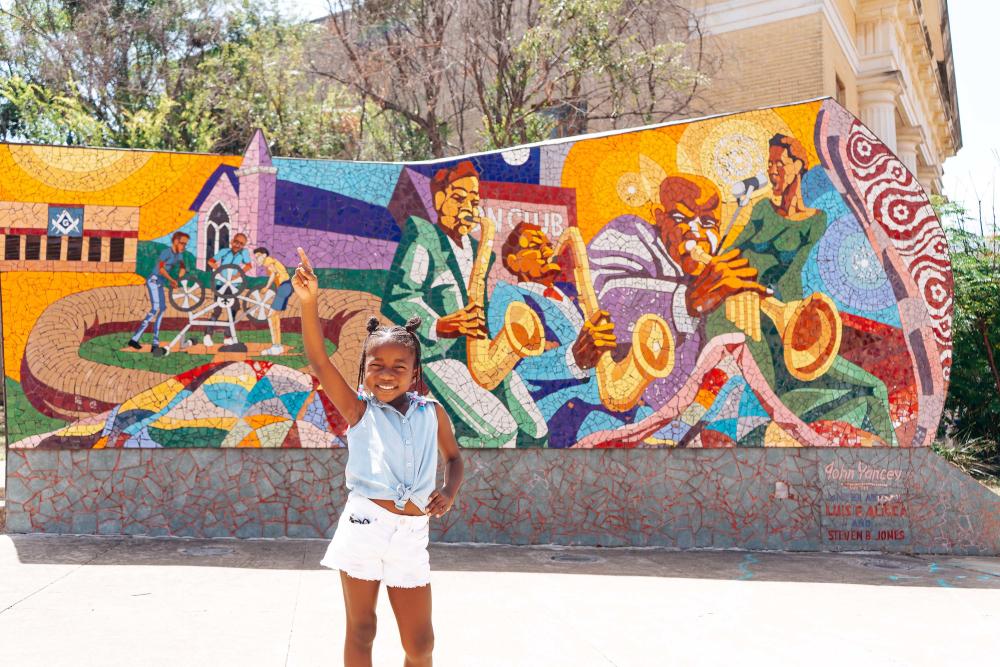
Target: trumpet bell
<point>490,361</point>
<point>523,330</point>
<point>654,346</point>
<point>811,333</point>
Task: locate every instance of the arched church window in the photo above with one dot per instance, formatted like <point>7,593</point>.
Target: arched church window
<point>216,231</point>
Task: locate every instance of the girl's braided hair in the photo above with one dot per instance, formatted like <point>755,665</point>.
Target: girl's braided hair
<point>401,335</point>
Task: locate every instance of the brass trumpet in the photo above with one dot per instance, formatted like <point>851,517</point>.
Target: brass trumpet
<point>490,361</point>
<point>651,356</point>
<point>811,329</point>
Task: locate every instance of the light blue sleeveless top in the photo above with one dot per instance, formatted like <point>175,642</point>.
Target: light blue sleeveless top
<point>393,456</point>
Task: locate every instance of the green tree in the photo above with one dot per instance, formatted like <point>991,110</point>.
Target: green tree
<point>259,77</point>
<point>453,76</point>
<point>102,72</point>
<point>972,408</point>
<point>192,75</point>
<point>543,64</point>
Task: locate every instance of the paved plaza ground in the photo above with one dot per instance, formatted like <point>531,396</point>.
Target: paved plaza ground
<point>147,602</point>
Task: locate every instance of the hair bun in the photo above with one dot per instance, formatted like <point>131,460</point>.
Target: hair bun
<point>372,324</point>
<point>413,323</point>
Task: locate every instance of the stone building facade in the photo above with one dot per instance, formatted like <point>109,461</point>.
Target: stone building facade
<point>887,61</point>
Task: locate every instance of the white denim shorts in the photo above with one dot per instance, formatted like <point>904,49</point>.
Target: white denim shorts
<point>375,544</point>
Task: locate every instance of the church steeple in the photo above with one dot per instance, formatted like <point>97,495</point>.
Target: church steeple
<point>258,183</point>
<point>257,154</point>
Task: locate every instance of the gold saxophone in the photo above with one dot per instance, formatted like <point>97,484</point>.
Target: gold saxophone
<point>651,356</point>
<point>811,329</point>
<point>490,361</point>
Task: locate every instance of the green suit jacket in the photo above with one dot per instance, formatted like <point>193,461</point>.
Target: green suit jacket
<point>425,279</point>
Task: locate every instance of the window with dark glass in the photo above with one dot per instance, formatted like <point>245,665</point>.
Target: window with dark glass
<point>53,247</point>
<point>32,247</point>
<point>216,231</point>
<point>209,241</point>
<point>74,248</point>
<point>94,249</point>
<point>12,247</point>
<point>116,250</point>
<point>223,237</point>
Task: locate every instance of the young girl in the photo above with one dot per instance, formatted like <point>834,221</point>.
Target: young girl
<point>392,443</point>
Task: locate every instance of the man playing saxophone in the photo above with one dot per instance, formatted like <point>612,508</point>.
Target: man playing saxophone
<point>562,379</point>
<point>429,277</point>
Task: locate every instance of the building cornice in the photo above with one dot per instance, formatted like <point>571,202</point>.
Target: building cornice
<point>920,99</point>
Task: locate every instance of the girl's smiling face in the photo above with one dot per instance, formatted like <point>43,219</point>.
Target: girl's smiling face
<point>390,372</point>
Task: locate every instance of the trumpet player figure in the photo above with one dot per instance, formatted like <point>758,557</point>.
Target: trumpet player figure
<point>429,278</point>
<point>562,379</point>
<point>638,268</point>
<point>846,401</point>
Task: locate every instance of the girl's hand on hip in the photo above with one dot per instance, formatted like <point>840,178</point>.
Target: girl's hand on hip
<point>440,502</point>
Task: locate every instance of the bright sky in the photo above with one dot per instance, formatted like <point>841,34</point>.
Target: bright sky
<point>970,176</point>
<point>310,9</point>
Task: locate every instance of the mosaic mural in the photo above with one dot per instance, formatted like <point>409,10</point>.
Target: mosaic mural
<point>772,278</point>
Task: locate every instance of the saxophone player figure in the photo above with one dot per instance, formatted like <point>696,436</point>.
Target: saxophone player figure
<point>562,379</point>
<point>429,277</point>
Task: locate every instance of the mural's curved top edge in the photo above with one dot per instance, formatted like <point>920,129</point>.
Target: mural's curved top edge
<point>627,130</point>
<point>537,144</point>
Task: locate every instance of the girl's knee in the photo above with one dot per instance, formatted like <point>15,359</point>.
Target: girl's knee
<point>419,644</point>
<point>361,632</point>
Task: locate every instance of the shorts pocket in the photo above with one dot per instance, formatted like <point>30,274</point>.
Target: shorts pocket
<point>358,535</point>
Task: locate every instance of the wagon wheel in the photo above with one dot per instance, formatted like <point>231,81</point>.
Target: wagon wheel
<point>228,280</point>
<point>187,296</point>
<point>257,304</point>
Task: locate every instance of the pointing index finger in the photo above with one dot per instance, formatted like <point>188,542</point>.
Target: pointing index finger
<point>306,264</point>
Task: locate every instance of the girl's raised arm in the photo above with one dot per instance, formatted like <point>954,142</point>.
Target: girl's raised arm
<point>344,397</point>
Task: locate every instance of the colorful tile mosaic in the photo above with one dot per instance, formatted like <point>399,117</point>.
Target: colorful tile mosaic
<point>767,279</point>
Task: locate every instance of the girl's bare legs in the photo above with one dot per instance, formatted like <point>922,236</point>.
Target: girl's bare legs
<point>360,597</point>
<point>412,607</point>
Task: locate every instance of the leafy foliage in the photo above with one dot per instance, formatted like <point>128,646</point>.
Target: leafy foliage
<point>974,456</point>
<point>485,74</point>
<point>190,75</point>
<point>972,409</point>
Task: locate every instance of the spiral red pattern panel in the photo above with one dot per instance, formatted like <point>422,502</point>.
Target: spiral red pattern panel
<point>900,207</point>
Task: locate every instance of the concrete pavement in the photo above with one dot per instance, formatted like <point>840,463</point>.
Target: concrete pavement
<point>67,600</point>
